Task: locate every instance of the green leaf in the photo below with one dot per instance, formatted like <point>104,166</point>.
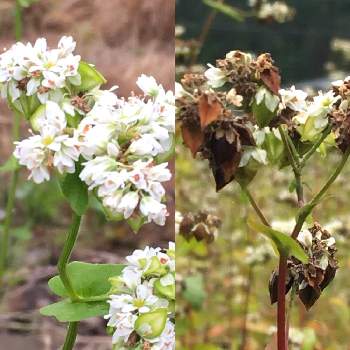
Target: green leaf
<point>225,9</point>
<point>76,192</point>
<point>262,114</point>
<point>245,175</point>
<point>67,311</point>
<point>194,291</point>
<point>285,244</point>
<point>136,223</point>
<point>88,280</point>
<point>90,77</point>
<point>10,165</point>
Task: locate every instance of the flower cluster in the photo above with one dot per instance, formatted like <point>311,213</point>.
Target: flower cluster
<point>313,277</point>
<point>37,71</point>
<point>118,147</point>
<point>277,11</point>
<point>223,112</point>
<point>142,302</point>
<point>233,113</point>
<point>201,226</point>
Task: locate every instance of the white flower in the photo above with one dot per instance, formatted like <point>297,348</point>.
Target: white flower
<point>142,301</point>
<point>50,120</point>
<point>123,323</point>
<point>166,341</point>
<point>139,299</point>
<point>153,210</point>
<point>233,98</point>
<point>47,70</point>
<point>32,153</point>
<point>94,171</point>
<point>305,238</point>
<point>315,119</point>
<point>40,153</point>
<point>146,144</point>
<point>131,276</point>
<point>249,152</point>
<point>148,85</point>
<point>128,204</point>
<point>216,77</point>
<point>142,258</point>
<point>293,99</point>
<point>179,90</point>
<point>66,154</point>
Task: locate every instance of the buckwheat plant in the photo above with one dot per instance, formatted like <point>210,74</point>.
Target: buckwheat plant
<point>96,144</point>
<point>237,117</point>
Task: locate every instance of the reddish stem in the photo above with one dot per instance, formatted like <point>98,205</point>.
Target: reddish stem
<point>282,340</point>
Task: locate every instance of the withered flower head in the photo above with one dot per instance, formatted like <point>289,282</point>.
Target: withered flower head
<point>340,115</point>
<point>311,278</point>
<point>223,147</point>
<point>193,81</point>
<point>201,226</point>
<point>268,73</point>
<point>217,123</point>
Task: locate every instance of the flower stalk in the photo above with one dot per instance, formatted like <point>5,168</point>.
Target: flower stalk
<point>71,336</point>
<point>18,21</point>
<point>66,254</point>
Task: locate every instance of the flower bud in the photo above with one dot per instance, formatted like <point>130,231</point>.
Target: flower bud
<point>151,325</point>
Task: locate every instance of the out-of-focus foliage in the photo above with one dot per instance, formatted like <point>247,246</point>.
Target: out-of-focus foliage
<point>235,268</point>
<point>238,264</point>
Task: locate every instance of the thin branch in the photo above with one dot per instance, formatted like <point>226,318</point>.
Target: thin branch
<point>316,145</point>
<point>291,156</point>
<point>307,209</point>
<point>255,206</point>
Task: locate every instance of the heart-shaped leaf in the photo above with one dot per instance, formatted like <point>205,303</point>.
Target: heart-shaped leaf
<point>67,311</point>
<point>88,280</point>
<point>285,244</point>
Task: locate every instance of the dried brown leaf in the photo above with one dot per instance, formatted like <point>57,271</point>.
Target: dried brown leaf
<point>193,137</point>
<point>209,109</point>
<point>272,79</point>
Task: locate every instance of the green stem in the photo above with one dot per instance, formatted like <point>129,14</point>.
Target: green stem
<point>307,209</point>
<point>292,157</point>
<point>293,150</point>
<point>255,206</point>
<point>315,146</point>
<point>299,189</point>
<point>10,205</point>
<point>18,21</point>
<point>71,336</point>
<point>66,254</point>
